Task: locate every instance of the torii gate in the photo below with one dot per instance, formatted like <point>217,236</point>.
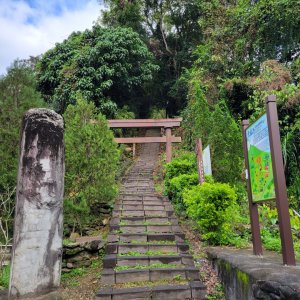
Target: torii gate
<point>167,124</point>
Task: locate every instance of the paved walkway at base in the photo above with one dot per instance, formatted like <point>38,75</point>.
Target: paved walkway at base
<point>147,256</point>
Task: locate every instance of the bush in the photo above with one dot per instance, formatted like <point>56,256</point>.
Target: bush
<point>91,164</point>
<point>213,206</point>
<point>178,185</point>
<point>184,164</point>
<point>4,276</point>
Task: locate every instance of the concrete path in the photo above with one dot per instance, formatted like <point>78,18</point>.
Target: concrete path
<point>147,256</point>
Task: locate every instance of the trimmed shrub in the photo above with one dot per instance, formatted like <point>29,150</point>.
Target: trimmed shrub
<point>213,206</point>
<point>178,185</point>
<point>185,164</point>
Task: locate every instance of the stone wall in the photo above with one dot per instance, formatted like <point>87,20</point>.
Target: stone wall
<point>81,252</point>
<point>249,277</point>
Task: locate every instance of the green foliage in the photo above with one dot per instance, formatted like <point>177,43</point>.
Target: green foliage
<point>91,163</point>
<point>17,95</point>
<point>141,267</point>
<point>216,127</point>
<point>4,276</point>
<point>197,116</point>
<point>225,139</point>
<point>184,164</point>
<point>107,66</point>
<point>270,241</point>
<point>213,206</point>
<point>270,231</point>
<point>71,278</point>
<point>178,185</point>
<point>171,30</point>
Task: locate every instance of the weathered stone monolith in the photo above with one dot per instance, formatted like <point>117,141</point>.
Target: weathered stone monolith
<point>37,245</point>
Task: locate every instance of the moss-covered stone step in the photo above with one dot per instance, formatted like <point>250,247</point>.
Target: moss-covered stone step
<point>128,196</point>
<point>143,206</point>
<point>157,228</point>
<point>113,260</point>
<point>158,202</point>
<point>192,291</point>
<point>111,276</point>
<point>142,213</point>
<point>143,221</point>
<point>119,248</point>
<point>145,237</point>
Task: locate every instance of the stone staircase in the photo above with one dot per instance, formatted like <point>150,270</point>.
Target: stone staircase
<point>146,256</point>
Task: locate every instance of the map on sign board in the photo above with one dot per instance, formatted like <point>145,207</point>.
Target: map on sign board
<point>260,160</point>
<point>207,161</point>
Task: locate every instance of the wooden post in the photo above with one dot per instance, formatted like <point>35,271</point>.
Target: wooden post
<point>280,184</point>
<point>168,144</point>
<point>199,156</point>
<point>253,207</point>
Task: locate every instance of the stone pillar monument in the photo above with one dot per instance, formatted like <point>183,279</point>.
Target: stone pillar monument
<point>38,227</point>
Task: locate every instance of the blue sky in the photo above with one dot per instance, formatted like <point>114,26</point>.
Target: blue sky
<point>30,27</point>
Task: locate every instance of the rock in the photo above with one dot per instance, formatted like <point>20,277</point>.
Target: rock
<point>105,211</point>
<point>269,286</point>
<point>94,246</point>
<point>70,266</point>
<point>64,270</point>
<point>74,236</point>
<point>105,221</point>
<point>72,251</point>
<point>287,292</point>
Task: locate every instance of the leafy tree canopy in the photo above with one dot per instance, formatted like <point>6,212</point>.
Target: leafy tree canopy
<point>102,64</point>
<point>171,31</point>
<point>17,95</point>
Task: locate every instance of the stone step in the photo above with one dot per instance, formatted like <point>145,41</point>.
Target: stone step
<point>142,213</point>
<point>113,260</point>
<point>110,276</point>
<point>121,248</point>
<point>143,221</point>
<point>142,206</point>
<point>141,201</point>
<point>145,238</point>
<point>192,291</point>
<point>145,228</point>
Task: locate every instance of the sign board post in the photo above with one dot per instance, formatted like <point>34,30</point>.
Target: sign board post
<point>265,176</point>
<point>280,184</point>
<point>199,155</point>
<point>253,207</point>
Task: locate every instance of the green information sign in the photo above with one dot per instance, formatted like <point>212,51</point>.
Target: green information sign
<point>260,160</point>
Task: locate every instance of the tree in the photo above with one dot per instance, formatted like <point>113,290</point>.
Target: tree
<point>102,64</point>
<point>91,164</point>
<point>17,95</point>
<point>171,31</point>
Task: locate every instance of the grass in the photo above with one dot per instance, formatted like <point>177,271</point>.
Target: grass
<point>124,223</point>
<point>67,242</point>
<point>218,293</point>
<point>176,280</point>
<point>71,278</point>
<point>148,253</point>
<point>153,266</point>
<point>4,276</point>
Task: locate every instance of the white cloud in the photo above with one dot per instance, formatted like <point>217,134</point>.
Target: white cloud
<point>29,31</point>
